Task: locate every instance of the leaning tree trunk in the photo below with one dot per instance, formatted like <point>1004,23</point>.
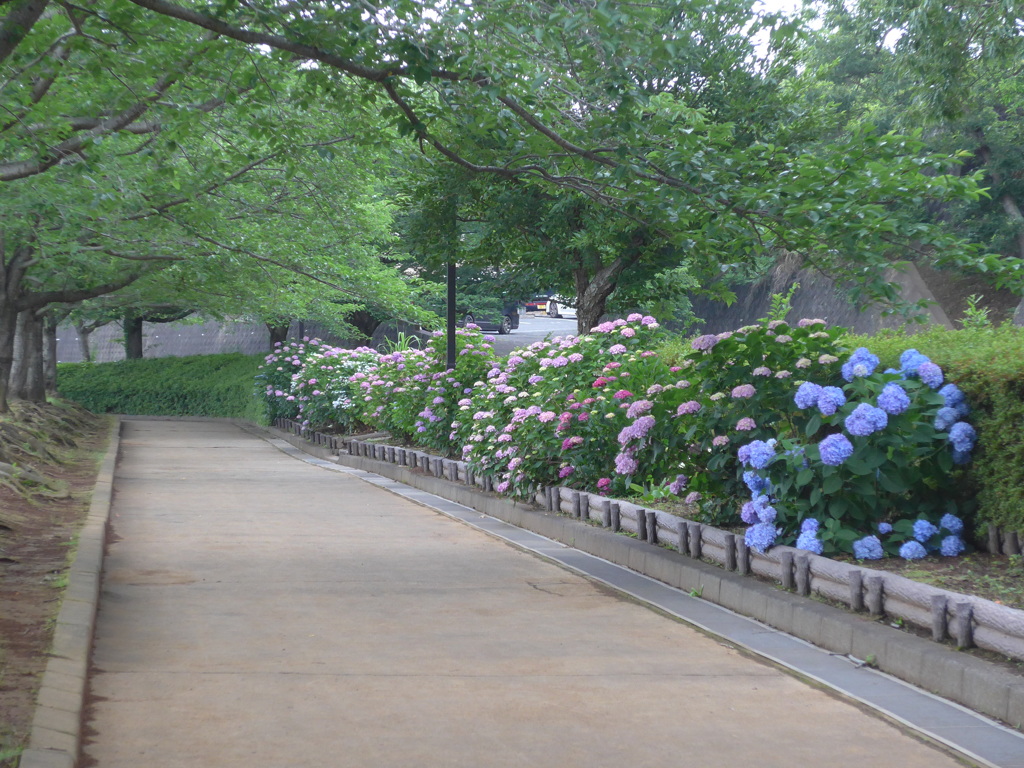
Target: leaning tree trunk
<point>592,293</point>
<point>50,356</point>
<point>35,377</point>
<point>132,337</point>
<point>19,366</point>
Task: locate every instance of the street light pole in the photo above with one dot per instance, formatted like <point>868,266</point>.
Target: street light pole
<point>451,314</point>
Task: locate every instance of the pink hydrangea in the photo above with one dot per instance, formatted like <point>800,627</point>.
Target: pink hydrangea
<point>745,424</point>
<point>566,471</point>
<point>622,394</point>
<point>744,391</point>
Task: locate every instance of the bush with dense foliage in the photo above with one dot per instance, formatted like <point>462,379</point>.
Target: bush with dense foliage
<point>204,385</point>
<point>987,363</point>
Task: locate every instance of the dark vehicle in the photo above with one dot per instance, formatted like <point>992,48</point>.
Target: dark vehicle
<point>495,322</point>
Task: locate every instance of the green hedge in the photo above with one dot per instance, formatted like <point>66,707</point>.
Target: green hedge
<point>204,385</point>
<point>988,365</point>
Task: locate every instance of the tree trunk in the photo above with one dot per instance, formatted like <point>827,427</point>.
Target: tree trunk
<point>19,367</point>
<point>50,356</point>
<point>132,337</point>
<point>8,323</point>
<point>592,293</point>
<point>35,378</point>
<point>278,333</point>
<point>84,332</point>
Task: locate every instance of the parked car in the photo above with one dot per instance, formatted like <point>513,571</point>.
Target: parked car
<point>504,322</point>
<point>552,305</point>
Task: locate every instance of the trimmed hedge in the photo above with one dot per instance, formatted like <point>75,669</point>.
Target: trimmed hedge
<point>988,365</point>
<point>203,385</point>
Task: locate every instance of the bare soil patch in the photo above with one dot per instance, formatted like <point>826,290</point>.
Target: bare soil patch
<point>55,451</point>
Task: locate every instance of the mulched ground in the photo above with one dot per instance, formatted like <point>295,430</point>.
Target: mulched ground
<point>34,549</point>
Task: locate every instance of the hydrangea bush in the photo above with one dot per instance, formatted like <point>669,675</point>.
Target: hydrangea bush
<point>274,380</point>
<point>590,412</point>
<point>743,385</point>
<point>324,390</point>
<point>413,395</point>
<point>871,472</point>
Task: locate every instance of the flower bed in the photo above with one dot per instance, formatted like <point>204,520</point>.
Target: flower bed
<point>837,457</point>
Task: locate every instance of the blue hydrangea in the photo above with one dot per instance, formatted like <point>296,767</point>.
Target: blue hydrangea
<point>884,528</point>
<point>868,548</point>
<point>910,361</point>
<point>963,410</point>
<point>810,525</point>
<point>760,536</point>
<point>952,523</point>
<point>962,436</point>
<point>865,420</point>
<point>951,546</point>
<point>835,449</point>
<point>923,530</point>
<point>961,457</point>
<point>810,542</point>
<point>893,399</point>
<point>952,395</point>
<point>945,418</point>
<point>830,400</point>
<point>930,374</point>
<point>758,453</point>
<point>756,483</point>
<point>861,363</point>
<point>912,550</point>
<point>807,395</point>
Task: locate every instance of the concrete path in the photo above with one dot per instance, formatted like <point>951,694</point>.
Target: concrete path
<point>260,612</point>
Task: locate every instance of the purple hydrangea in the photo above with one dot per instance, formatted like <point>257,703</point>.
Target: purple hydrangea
<point>748,513</point>
<point>868,548</point>
<point>625,464</point>
<point>677,486</point>
<point>693,497</point>
<point>952,523</point>
<point>951,546</point>
<point>810,525</point>
<point>945,418</point>
<point>744,391</point>
<point>861,363</point>
<point>745,424</point>
<point>884,528</point>
<point>690,406</point>
<point>808,540</point>
<point>760,536</point>
<point>638,408</point>
<point>757,454</point>
<point>893,399</point>
<point>704,343</point>
<point>930,374</point>
<point>835,449</point>
<point>830,400</point>
<point>923,530</point>
<point>637,430</point>
<point>962,436</point>
<point>807,395</point>
<point>865,420</point>
<point>912,550</point>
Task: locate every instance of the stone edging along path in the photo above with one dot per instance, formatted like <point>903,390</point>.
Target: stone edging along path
<point>56,735</point>
<point>983,686</point>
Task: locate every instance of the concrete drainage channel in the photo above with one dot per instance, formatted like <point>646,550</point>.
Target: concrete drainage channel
<point>689,589</point>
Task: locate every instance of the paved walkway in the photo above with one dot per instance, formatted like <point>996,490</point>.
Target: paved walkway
<point>261,612</point>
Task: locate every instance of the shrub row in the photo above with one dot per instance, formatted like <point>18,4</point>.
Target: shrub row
<point>872,454</point>
<point>206,385</point>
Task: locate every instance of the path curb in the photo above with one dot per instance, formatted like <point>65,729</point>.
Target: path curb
<point>56,737</point>
<point>972,682</point>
